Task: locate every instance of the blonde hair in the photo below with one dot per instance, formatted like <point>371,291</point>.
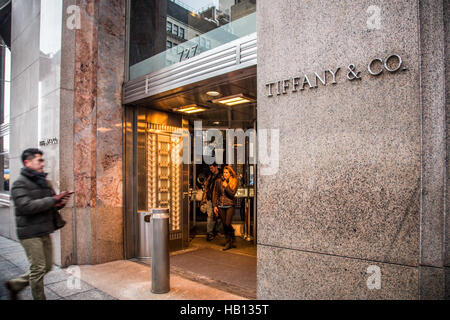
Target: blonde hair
<point>233,179</point>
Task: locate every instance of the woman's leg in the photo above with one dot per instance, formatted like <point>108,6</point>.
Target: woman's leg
<point>230,214</point>
<point>223,218</point>
<point>227,219</point>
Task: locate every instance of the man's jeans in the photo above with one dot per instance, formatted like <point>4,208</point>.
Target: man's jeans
<point>39,254</point>
<point>213,225</point>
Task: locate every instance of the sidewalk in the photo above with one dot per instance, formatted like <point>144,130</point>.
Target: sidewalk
<point>123,280</point>
<point>13,263</point>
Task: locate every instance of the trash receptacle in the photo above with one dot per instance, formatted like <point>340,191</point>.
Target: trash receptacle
<point>160,250</point>
<point>144,241</point>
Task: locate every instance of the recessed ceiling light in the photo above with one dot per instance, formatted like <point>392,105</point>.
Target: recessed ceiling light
<point>193,108</point>
<point>234,100</point>
<point>213,93</point>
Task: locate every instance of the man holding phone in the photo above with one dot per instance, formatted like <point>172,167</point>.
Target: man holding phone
<point>37,216</point>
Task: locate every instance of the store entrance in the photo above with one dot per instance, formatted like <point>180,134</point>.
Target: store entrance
<point>206,230</point>
<point>212,122</point>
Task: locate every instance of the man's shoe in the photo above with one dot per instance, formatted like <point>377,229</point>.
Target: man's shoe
<point>209,237</point>
<point>12,293</point>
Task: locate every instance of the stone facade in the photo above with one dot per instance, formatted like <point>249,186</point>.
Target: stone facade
<point>80,72</point>
<point>97,216</point>
<point>362,176</point>
<point>361,186</point>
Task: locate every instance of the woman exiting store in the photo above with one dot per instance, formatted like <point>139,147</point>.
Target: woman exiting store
<point>223,202</point>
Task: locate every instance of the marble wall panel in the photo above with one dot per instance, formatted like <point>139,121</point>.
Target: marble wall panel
<point>432,283</point>
<point>56,246</point>
<point>68,49</point>
<point>111,29</point>
<point>85,106</point>
<point>84,230</point>
<point>291,274</point>
<point>447,284</point>
<point>25,49</point>
<point>433,133</point>
<point>67,252</point>
<point>20,93</point>
<point>97,139</point>
<point>50,46</point>
<point>24,132</point>
<point>48,128</point>
<point>25,91</point>
<point>348,182</point>
<point>447,100</point>
<point>109,234</point>
<point>24,11</point>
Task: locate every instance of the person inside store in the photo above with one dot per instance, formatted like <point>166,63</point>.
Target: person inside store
<point>213,224</point>
<point>223,202</point>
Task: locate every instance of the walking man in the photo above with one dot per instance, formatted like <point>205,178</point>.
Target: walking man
<point>37,216</point>
<point>213,225</point>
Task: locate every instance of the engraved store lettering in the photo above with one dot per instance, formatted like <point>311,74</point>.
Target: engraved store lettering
<point>376,67</point>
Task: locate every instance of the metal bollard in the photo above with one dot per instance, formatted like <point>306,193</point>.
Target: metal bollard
<point>160,250</point>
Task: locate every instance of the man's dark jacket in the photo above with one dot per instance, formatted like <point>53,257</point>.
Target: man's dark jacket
<point>34,207</point>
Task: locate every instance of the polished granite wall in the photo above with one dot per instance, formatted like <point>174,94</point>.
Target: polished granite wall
<point>362,174</point>
<point>99,53</point>
<point>67,84</point>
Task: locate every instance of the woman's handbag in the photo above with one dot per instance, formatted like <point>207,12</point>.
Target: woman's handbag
<point>199,195</point>
<point>204,207</point>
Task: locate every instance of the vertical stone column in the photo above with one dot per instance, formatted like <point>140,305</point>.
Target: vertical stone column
<point>433,206</point>
<point>24,85</point>
<point>447,182</point>
<point>85,132</point>
<point>96,171</point>
<point>361,186</point>
<point>110,77</point>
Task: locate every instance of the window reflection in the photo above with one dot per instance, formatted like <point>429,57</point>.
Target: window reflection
<point>171,31</point>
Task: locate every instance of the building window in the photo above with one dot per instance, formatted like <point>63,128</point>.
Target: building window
<point>169,44</point>
<point>148,17</point>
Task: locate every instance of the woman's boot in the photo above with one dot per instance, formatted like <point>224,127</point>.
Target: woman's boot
<point>233,240</point>
<point>228,245</point>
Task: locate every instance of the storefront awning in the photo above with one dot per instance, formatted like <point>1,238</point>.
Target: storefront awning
<point>5,21</point>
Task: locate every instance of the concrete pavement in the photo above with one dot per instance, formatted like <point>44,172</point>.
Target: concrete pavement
<point>13,263</point>
<point>124,280</point>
